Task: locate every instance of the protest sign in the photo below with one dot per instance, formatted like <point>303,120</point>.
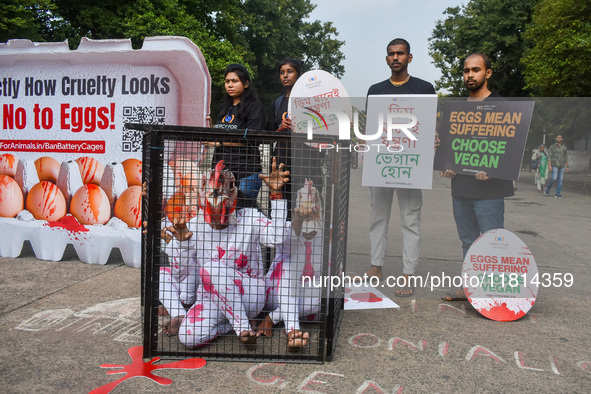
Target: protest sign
<point>484,136</point>
<point>64,141</point>
<point>501,276</point>
<point>400,133</point>
<point>315,102</point>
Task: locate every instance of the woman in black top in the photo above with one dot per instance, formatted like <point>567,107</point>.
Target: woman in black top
<point>241,109</point>
<point>301,160</point>
<point>289,71</point>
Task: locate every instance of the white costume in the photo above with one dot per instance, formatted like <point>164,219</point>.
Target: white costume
<point>287,297</point>
<point>179,281</point>
<point>231,272</point>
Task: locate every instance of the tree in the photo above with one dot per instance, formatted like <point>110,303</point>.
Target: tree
<point>559,60</point>
<point>256,33</point>
<point>137,19</point>
<point>493,27</point>
<point>25,18</point>
<point>270,30</point>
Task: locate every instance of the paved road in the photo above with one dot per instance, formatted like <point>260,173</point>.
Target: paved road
<point>63,320</point>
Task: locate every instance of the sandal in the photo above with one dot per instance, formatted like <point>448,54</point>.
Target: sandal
<point>453,297</point>
<point>401,290</point>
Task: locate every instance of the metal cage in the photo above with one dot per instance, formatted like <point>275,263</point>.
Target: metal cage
<point>218,257</point>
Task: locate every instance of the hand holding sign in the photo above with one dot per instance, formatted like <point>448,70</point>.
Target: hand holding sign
<point>484,136</point>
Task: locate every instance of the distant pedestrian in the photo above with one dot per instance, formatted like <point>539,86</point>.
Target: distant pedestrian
<point>540,157</point>
<point>558,164</point>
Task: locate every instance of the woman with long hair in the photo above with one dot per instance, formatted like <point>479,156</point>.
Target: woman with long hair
<point>289,71</point>
<point>241,109</point>
<point>303,161</point>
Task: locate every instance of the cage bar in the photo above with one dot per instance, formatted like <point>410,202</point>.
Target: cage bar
<point>223,254</point>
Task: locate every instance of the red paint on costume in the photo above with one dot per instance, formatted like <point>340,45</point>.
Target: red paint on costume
<point>241,261</point>
<point>206,280</point>
<point>221,252</point>
<point>194,314</point>
<point>238,283</point>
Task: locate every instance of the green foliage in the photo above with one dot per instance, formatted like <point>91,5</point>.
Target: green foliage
<point>492,27</point>
<point>558,64</point>
<point>137,19</point>
<point>268,31</point>
<point>559,60</point>
<point>25,19</point>
<point>538,47</point>
<point>256,33</point>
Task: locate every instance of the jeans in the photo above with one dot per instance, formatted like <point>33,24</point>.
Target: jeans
<point>557,173</point>
<point>250,186</point>
<point>475,217</point>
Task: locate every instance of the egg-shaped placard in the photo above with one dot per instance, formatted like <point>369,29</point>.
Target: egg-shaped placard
<point>177,208</point>
<point>500,276</point>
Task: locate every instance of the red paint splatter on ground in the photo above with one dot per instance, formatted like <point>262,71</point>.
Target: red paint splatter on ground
<point>139,368</point>
<point>68,223</point>
<point>365,297</point>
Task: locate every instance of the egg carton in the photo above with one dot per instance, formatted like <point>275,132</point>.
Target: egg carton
<point>93,243</point>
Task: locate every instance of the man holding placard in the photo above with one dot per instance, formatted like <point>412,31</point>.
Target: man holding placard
<point>478,201</point>
<point>410,200</point>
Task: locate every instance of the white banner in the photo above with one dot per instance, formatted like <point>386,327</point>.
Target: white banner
<point>400,135</point>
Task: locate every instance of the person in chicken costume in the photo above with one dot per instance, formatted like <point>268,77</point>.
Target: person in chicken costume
<point>224,244</point>
<point>290,293</point>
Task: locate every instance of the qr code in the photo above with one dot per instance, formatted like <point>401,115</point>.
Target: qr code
<point>132,139</point>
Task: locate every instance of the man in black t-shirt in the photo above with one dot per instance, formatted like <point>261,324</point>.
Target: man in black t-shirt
<point>478,201</point>
<point>410,201</point>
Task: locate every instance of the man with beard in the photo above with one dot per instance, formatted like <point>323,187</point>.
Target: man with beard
<point>478,201</point>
